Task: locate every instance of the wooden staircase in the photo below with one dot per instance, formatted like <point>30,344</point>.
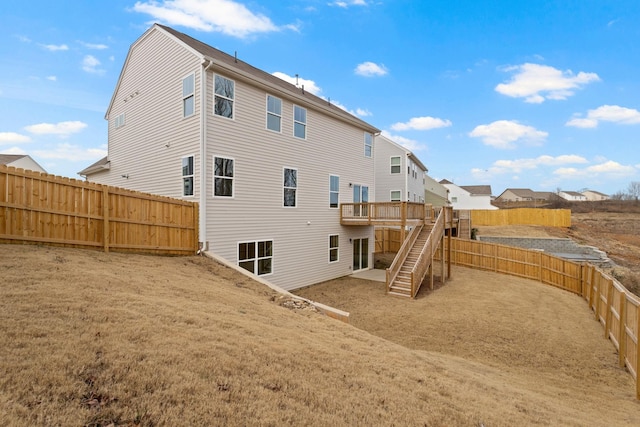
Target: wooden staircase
<point>415,258</point>
<point>401,286</point>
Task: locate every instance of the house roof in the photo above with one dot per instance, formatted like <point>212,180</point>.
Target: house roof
<point>595,192</point>
<point>445,181</point>
<point>478,190</point>
<point>5,159</point>
<point>573,193</point>
<point>521,192</point>
<point>101,164</point>
<point>233,64</point>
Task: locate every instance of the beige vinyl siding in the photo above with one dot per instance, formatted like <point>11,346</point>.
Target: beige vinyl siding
<point>256,212</point>
<point>155,137</point>
<point>416,184</point>
<point>386,182</point>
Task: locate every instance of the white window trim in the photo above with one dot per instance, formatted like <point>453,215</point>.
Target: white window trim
<point>297,187</point>
<point>391,165</point>
<point>119,121</point>
<point>296,121</point>
<point>193,175</point>
<point>337,248</point>
<point>192,95</point>
<point>269,113</point>
<point>233,178</point>
<point>233,100</point>
<point>399,195</point>
<point>331,191</point>
<point>368,145</point>
<point>255,260</point>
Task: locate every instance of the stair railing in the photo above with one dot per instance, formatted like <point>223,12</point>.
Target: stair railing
<point>419,270</point>
<point>401,256</point>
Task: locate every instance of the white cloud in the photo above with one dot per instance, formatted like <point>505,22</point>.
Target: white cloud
<point>519,165</point>
<point>62,129</point>
<point>535,83</point>
<point>221,16</point>
<point>309,85</point>
<point>13,138</point>
<point>72,153</point>
<point>370,69</point>
<point>13,150</point>
<point>96,46</point>
<point>504,133</point>
<point>51,78</point>
<point>363,113</point>
<point>55,47</point>
<point>90,64</point>
<point>421,123</point>
<point>607,113</point>
<point>346,3</point>
<point>409,144</point>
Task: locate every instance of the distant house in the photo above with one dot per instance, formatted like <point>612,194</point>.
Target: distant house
<point>268,162</point>
<point>435,193</point>
<point>523,195</point>
<point>469,197</point>
<point>400,175</point>
<point>572,196</point>
<point>21,161</point>
<point>593,196</point>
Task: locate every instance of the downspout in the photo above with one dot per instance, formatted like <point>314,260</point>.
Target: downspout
<point>202,225</point>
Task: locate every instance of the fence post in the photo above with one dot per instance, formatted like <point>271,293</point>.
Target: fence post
<point>607,317</point>
<point>637,352</point>
<point>622,351</point>
<point>105,217</point>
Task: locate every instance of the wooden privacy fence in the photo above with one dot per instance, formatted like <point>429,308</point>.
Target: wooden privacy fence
<point>522,216</point>
<point>388,239</point>
<point>42,208</point>
<point>617,309</point>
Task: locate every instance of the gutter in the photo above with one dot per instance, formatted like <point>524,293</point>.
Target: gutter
<point>202,223</point>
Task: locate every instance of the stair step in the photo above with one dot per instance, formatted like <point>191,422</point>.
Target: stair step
<point>396,294</point>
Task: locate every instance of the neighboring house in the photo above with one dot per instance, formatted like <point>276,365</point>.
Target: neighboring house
<point>469,197</point>
<point>400,175</point>
<point>435,193</point>
<point>572,196</point>
<point>523,195</point>
<point>21,161</point>
<point>592,195</point>
<point>268,162</point>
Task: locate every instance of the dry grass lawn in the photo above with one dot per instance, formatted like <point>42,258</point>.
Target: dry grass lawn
<point>108,339</point>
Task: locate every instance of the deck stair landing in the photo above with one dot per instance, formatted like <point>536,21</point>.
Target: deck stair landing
<point>415,258</point>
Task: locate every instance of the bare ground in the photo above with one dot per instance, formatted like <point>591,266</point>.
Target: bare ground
<point>109,339</point>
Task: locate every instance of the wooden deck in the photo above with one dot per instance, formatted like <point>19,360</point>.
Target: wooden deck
<point>414,260</point>
<point>385,213</point>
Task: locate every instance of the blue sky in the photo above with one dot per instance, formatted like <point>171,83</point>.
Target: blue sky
<point>535,94</point>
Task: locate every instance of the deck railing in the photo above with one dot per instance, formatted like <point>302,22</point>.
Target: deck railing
<point>384,212</point>
<point>401,256</point>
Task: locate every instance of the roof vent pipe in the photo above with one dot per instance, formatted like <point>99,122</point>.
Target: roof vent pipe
<point>235,56</point>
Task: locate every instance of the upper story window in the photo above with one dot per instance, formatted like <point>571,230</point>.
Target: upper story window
<point>274,113</point>
<point>299,122</point>
<point>290,187</point>
<point>334,191</point>
<point>224,96</point>
<point>395,164</point>
<point>188,95</point>
<point>368,144</point>
<point>223,177</point>
<point>119,121</point>
<point>187,176</point>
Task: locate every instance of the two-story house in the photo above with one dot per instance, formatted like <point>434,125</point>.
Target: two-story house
<point>400,175</point>
<point>268,162</point>
<point>469,197</point>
